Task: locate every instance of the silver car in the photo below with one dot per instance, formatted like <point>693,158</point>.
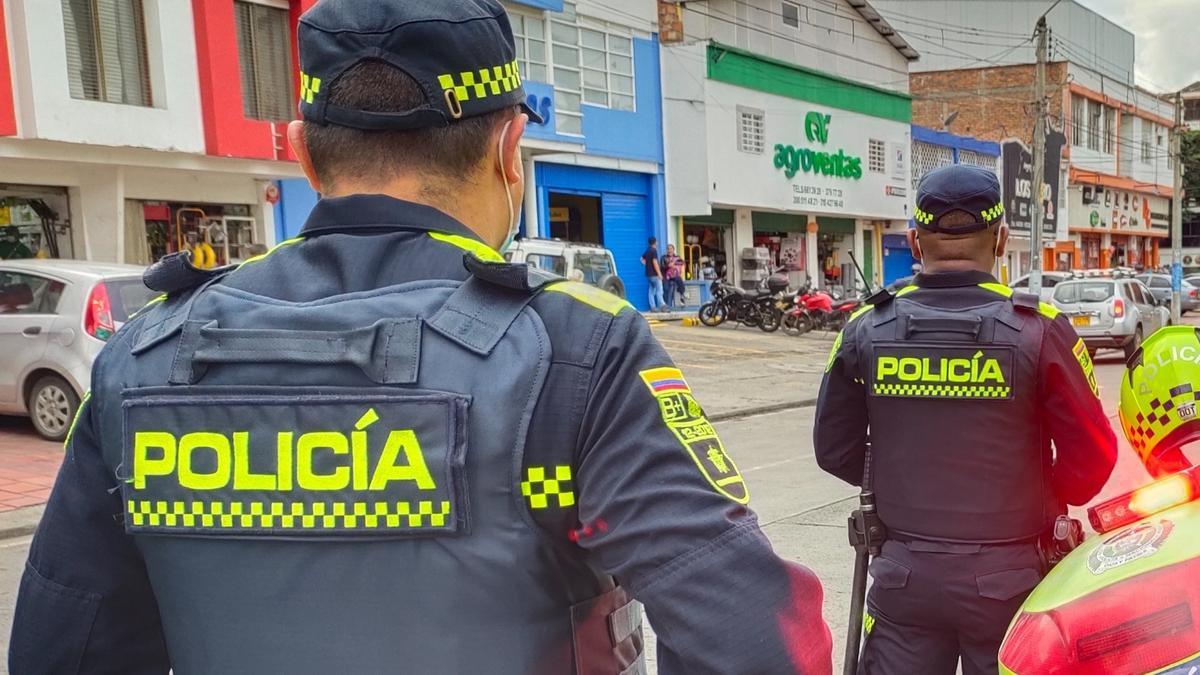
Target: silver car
<point>55,316</point>
<point>1111,313</point>
<point>1160,286</point>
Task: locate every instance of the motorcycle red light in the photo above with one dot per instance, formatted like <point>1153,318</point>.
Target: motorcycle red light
<point>1083,637</point>
<point>1130,507</point>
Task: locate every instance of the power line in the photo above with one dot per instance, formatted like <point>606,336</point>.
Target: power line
<point>922,21</point>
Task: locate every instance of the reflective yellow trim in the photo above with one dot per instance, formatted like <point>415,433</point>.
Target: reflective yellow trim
<point>538,488</point>
<point>999,289</point>
<point>833,353</point>
<point>906,290</point>
<point>87,396</point>
<point>278,246</point>
<point>941,391</point>
<point>860,311</point>
<point>1049,311</point>
<point>868,623</point>
<point>148,305</point>
<point>480,249</point>
<point>590,295</point>
<point>255,514</point>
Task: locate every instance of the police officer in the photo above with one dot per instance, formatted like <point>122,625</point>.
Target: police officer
<point>380,448</point>
<point>978,412</point>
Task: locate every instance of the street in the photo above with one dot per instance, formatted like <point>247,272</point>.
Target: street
<point>734,372</point>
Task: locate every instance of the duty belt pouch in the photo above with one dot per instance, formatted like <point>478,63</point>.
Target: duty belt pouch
<point>607,635</point>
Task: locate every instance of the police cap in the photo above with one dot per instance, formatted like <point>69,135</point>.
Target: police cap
<point>460,52</point>
<point>959,187</point>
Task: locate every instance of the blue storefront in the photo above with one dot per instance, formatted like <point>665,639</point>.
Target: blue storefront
<point>595,164</point>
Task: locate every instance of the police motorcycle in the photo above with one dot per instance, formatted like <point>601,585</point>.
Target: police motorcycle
<point>1127,600</point>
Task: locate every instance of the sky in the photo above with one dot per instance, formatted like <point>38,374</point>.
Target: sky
<point>1165,31</point>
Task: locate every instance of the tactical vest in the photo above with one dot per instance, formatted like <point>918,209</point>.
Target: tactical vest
<point>335,486</point>
<point>958,452</point>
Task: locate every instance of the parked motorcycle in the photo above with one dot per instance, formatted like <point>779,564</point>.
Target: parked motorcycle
<point>817,310</point>
<point>730,303</point>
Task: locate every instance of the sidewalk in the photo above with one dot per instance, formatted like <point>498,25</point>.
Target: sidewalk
<point>28,465</point>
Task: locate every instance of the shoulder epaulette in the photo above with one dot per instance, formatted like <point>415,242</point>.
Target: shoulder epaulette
<point>175,273</point>
<point>517,276</point>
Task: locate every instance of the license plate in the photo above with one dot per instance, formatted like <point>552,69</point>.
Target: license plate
<point>1081,320</point>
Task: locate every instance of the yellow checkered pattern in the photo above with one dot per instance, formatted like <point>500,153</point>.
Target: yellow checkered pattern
<point>538,487</point>
<point>921,216</point>
<point>942,390</point>
<point>316,516</point>
<point>479,84</point>
<point>309,87</point>
<point>993,213</point>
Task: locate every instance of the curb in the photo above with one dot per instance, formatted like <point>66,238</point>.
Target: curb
<point>743,413</point>
<point>20,523</point>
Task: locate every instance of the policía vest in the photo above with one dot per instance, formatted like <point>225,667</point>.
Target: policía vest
<point>958,452</point>
<point>335,486</point>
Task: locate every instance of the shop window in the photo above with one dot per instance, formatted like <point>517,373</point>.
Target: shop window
<point>106,51</point>
<point>751,130</point>
<point>530,35</point>
<point>1095,112</point>
<point>264,54</point>
<point>877,156</point>
<point>791,14</point>
<point>1078,122</point>
<point>1191,110</point>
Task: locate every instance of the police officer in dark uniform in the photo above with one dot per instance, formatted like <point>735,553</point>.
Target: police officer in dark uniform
<point>978,413</point>
<point>380,448</point>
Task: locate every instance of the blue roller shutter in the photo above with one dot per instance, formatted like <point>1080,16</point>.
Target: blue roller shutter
<point>626,228</point>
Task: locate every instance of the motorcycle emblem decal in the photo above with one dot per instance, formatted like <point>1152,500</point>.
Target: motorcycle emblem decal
<point>1138,542</point>
<point>686,419</point>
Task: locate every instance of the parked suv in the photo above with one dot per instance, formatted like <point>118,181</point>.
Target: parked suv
<point>1112,313</point>
<point>55,316</point>
<point>588,263</point>
<point>1049,281</point>
<point>1160,286</point>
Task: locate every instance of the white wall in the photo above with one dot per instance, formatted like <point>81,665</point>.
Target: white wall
<point>47,111</point>
<point>640,15</point>
<point>934,28</point>
<point>738,177</point>
<point>684,128</point>
<point>832,37</point>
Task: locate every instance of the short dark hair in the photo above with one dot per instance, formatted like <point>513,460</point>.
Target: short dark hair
<point>653,240</point>
<point>342,152</point>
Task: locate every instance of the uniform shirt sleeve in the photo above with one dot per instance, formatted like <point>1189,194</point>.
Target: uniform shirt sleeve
<point>840,432</point>
<point>85,603</point>
<point>1084,443</point>
<point>719,598</point>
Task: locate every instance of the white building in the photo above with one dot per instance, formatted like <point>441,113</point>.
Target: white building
<point>786,128</point>
<point>121,137</point>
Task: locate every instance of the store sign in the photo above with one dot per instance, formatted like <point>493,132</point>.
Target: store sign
<point>543,105</point>
<point>792,160</point>
<point>1018,184</point>
<point>1105,208</point>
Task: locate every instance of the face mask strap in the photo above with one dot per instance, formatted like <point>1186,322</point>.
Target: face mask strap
<point>513,224</point>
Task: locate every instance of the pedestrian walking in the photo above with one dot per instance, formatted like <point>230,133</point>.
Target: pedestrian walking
<point>380,447</point>
<point>959,386</point>
<point>672,269</point>
<point>654,276</point>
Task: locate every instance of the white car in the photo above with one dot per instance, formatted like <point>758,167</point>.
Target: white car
<point>1049,281</point>
<point>588,263</point>
<point>1111,313</point>
<point>55,316</point>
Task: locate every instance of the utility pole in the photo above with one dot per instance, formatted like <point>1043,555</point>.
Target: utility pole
<point>1039,162</point>
<point>1177,213</point>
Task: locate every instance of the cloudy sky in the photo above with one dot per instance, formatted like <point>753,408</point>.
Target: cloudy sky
<point>1166,37</point>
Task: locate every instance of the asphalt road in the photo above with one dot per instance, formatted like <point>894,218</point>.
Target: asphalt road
<point>802,510</point>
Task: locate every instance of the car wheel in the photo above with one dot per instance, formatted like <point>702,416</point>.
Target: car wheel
<point>1133,344</point>
<point>52,405</point>
<point>613,284</point>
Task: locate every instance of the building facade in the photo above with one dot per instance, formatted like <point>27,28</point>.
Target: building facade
<point>121,138</point>
<point>1109,202</point>
<point>787,137</point>
<point>594,168</point>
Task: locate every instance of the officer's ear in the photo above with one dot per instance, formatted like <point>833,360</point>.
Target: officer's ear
<point>299,143</point>
<point>510,145</point>
<point>1001,240</point>
<point>914,243</point>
